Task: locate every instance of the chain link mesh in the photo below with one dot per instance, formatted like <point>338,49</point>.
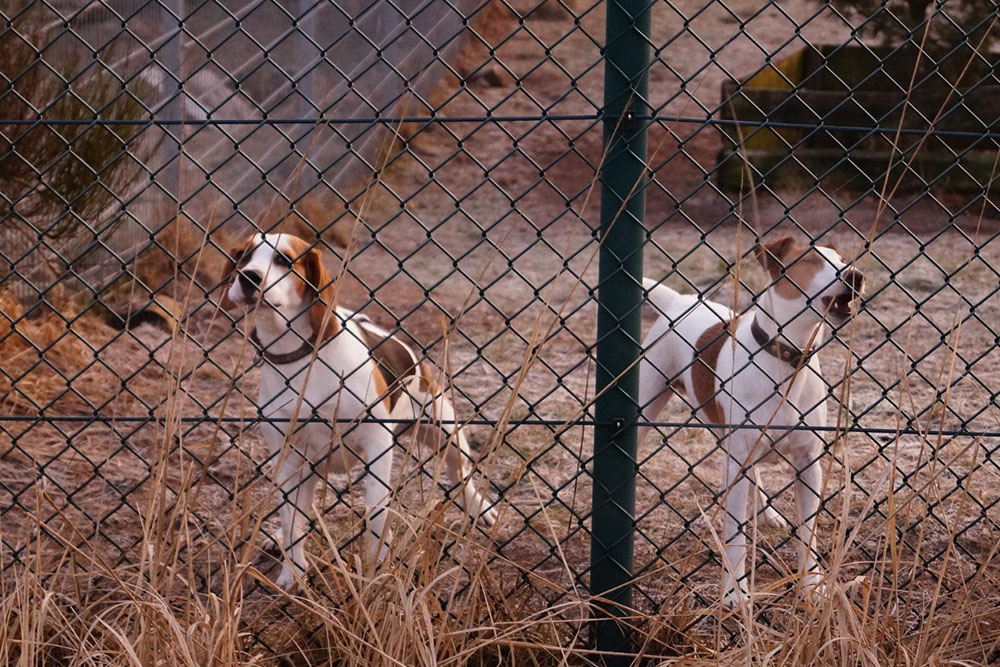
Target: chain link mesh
<point>445,156</point>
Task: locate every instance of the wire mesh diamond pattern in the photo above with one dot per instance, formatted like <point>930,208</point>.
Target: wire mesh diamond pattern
<point>445,157</point>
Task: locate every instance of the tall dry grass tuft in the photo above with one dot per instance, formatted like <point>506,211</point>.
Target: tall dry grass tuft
<point>49,359</point>
<point>436,600</point>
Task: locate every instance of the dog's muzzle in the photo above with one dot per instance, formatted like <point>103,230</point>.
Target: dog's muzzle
<point>249,286</point>
<point>842,306</point>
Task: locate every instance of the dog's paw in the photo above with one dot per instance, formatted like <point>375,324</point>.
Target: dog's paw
<point>772,519</point>
<point>287,581</point>
<point>479,508</point>
<point>737,595</point>
<point>488,518</point>
<point>735,599</point>
<point>813,587</point>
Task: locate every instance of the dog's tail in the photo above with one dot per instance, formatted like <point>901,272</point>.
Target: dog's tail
<point>661,296</point>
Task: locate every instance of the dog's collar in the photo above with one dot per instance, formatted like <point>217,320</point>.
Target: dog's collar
<point>778,348</point>
<point>301,352</point>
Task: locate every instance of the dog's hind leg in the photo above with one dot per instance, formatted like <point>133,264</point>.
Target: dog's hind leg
<point>649,412</point>
<point>438,415</point>
<point>458,460</point>
<point>654,394</point>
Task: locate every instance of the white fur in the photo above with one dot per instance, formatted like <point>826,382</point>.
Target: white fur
<point>746,395</point>
<point>339,385</point>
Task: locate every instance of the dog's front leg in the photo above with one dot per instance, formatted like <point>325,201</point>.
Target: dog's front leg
<point>379,441</point>
<point>736,503</point>
<point>297,485</point>
<point>808,484</point>
<point>765,511</point>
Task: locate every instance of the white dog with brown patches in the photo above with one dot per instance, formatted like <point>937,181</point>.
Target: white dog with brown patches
<point>364,384</point>
<point>754,377</point>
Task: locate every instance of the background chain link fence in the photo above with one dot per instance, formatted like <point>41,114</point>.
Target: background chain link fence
<point>445,155</point>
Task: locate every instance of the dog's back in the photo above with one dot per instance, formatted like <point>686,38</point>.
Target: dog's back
<point>396,361</point>
<point>681,319</point>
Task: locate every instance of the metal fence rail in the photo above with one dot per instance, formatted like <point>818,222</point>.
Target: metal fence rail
<point>489,179</point>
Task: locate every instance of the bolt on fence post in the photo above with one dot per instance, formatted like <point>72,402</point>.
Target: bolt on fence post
<point>623,179</point>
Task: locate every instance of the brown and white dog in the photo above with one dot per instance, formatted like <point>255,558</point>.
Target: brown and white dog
<point>753,376</point>
<point>366,386</point>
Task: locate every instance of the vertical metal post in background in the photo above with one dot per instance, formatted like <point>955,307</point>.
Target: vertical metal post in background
<point>308,102</point>
<point>623,179</point>
<point>171,59</point>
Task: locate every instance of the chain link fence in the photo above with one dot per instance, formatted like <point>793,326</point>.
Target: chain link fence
<point>446,156</point>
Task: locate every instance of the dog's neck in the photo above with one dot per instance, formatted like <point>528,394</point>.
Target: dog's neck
<point>789,323</point>
<point>285,339</point>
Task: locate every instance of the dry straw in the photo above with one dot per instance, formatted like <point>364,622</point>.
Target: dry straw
<point>153,565</point>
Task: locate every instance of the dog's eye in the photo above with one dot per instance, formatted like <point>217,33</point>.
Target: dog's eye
<point>283,260</point>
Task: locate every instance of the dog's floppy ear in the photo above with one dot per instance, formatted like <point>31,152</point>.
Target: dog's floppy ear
<point>235,253</point>
<point>316,276</point>
<point>772,255</point>
<point>318,284</point>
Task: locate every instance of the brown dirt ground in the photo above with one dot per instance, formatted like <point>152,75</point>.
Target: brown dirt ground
<point>491,224</point>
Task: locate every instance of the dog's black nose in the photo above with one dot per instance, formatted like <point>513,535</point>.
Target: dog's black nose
<point>853,279</point>
<point>250,281</point>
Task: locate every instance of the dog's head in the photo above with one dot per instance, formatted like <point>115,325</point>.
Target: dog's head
<point>811,280</point>
<point>281,272</point>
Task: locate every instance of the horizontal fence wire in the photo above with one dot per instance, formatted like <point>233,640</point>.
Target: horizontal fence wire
<point>554,118</point>
<point>494,423</point>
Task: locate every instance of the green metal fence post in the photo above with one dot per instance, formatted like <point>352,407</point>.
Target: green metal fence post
<point>626,82</point>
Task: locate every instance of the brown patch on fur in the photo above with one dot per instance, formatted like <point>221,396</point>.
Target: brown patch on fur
<point>393,360</point>
<point>238,252</point>
<point>428,384</point>
<point>314,285</point>
<point>703,376</point>
<point>298,251</point>
<point>792,267</point>
<point>382,386</point>
<point>800,274</point>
